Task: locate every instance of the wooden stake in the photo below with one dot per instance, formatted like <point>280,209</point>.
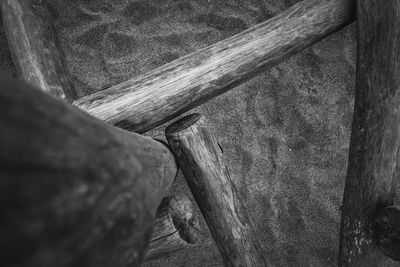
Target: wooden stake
<point>151,99</point>
<point>74,191</point>
<point>200,159</point>
<point>375,138</point>
<point>176,228</point>
<point>387,231</point>
<point>35,49</point>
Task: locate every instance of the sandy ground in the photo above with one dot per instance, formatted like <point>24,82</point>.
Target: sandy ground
<point>286,132</point>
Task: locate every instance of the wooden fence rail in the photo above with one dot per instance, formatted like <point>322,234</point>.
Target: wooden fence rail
<point>145,102</point>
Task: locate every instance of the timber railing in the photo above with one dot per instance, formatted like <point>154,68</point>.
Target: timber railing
<point>78,191</point>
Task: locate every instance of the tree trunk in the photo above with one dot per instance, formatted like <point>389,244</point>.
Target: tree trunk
<point>151,99</point>
<point>35,49</point>
<point>375,137</point>
<point>74,191</point>
<point>176,228</point>
<point>201,161</point>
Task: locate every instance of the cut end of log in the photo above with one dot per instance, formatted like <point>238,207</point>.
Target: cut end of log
<point>387,231</point>
<point>176,228</point>
<point>183,123</point>
<point>185,220</point>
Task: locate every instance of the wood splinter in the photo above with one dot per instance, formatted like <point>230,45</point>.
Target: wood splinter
<point>201,161</point>
<point>176,228</point>
<point>387,231</point>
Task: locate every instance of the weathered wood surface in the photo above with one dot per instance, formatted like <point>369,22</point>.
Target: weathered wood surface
<point>34,47</point>
<point>74,191</point>
<point>387,231</point>
<point>176,228</point>
<point>200,158</point>
<point>147,101</point>
<point>375,138</point>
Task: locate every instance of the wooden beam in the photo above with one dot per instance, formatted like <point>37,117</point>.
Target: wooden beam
<point>387,231</point>
<point>200,158</point>
<point>74,191</point>
<point>151,99</point>
<point>375,138</point>
<point>34,47</point>
<point>176,228</point>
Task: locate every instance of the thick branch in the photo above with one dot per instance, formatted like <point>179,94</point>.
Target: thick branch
<point>375,138</point>
<point>34,47</point>
<point>147,101</point>
<point>74,191</point>
<point>201,161</point>
<point>176,228</point>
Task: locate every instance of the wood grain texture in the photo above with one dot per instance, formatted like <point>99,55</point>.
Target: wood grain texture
<point>35,49</point>
<point>74,191</point>
<point>375,138</point>
<point>387,231</point>
<point>200,158</point>
<point>176,228</point>
<point>147,101</point>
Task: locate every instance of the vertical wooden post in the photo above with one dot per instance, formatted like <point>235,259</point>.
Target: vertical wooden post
<point>35,49</point>
<point>74,191</point>
<point>375,139</point>
<point>201,161</point>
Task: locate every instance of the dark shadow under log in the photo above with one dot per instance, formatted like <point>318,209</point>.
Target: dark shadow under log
<point>201,160</point>
<point>35,49</point>
<point>74,191</point>
<point>176,228</point>
<point>373,166</point>
<point>387,231</point>
<point>151,99</point>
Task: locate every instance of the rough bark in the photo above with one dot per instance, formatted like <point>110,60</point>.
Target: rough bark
<point>34,47</point>
<point>387,231</point>
<point>176,228</point>
<point>74,191</point>
<point>200,158</point>
<point>375,138</point>
<point>147,101</point>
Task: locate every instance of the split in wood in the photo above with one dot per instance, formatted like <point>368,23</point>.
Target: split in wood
<point>176,228</point>
<point>202,164</point>
<point>151,99</point>
<point>375,136</point>
<point>74,191</point>
<point>387,231</point>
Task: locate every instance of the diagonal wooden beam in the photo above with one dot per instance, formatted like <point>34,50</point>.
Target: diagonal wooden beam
<point>373,167</point>
<point>74,191</point>
<point>34,47</point>
<point>147,101</point>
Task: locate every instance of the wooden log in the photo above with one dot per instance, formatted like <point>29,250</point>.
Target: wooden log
<point>74,191</point>
<point>35,48</point>
<point>176,228</point>
<point>387,231</point>
<point>375,137</point>
<point>202,164</point>
<point>151,99</point>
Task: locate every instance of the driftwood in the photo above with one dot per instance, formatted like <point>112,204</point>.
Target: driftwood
<point>34,47</point>
<point>387,231</point>
<point>74,191</point>
<point>147,101</point>
<point>176,228</point>
<point>200,158</point>
<point>375,137</point>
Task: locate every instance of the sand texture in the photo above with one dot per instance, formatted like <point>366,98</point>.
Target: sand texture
<point>286,132</point>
